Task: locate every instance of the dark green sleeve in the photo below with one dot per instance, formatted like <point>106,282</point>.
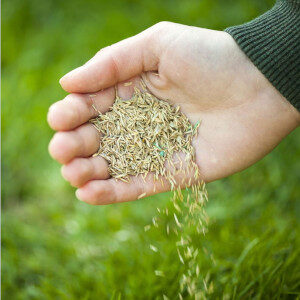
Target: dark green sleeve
<point>272,43</point>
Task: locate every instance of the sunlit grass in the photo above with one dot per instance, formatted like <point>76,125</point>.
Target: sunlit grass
<point>55,247</point>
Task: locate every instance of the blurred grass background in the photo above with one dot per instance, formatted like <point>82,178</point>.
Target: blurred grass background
<point>54,247</point>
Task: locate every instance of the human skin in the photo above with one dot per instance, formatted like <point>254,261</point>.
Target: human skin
<point>243,117</point>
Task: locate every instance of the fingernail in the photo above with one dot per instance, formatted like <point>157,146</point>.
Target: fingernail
<point>51,108</point>
<point>77,194</point>
<point>60,80</point>
<point>69,74</point>
<point>64,77</point>
<point>50,115</point>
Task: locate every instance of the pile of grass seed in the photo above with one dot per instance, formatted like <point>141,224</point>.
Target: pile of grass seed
<point>142,135</point>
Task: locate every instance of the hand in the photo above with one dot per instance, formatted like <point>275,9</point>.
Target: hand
<point>243,116</point>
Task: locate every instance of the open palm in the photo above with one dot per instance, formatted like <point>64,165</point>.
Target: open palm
<point>243,116</point>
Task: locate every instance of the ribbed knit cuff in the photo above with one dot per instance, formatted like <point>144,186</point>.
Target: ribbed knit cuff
<point>272,42</point>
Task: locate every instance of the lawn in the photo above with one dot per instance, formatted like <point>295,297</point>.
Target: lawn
<point>55,247</point>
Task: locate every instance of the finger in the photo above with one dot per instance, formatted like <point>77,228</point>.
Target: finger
<point>100,192</point>
<point>115,63</point>
<point>77,109</point>
<point>81,170</point>
<point>81,142</point>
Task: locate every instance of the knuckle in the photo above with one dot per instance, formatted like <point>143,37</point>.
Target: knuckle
<point>154,32</point>
<point>69,142</point>
<point>101,167</point>
<point>112,196</point>
<point>162,25</point>
<point>85,169</point>
<point>100,51</point>
<point>76,181</point>
<point>106,194</point>
<point>77,142</point>
<point>98,196</point>
<point>75,103</point>
<point>71,114</point>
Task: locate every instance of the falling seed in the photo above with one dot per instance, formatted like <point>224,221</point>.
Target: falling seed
<point>176,220</point>
<point>140,136</point>
<point>141,195</point>
<point>180,257</point>
<point>159,273</point>
<point>153,248</point>
<point>154,222</point>
<point>177,207</point>
<point>147,227</point>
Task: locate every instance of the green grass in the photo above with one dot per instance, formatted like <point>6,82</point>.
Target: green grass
<point>54,247</point>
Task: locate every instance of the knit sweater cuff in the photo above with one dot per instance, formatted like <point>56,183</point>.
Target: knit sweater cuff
<point>272,43</point>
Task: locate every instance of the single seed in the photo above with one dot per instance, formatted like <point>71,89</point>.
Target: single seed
<point>141,195</point>
<point>159,273</point>
<point>153,248</point>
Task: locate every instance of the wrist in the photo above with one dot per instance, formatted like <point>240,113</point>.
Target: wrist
<point>285,110</point>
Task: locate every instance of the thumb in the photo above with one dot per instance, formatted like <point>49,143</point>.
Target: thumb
<point>115,63</point>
